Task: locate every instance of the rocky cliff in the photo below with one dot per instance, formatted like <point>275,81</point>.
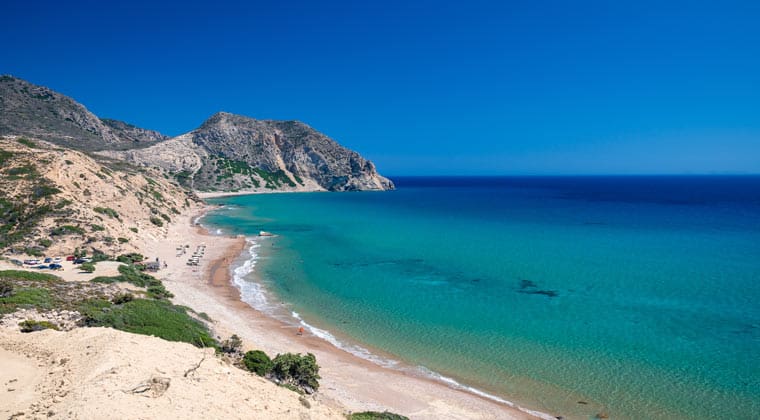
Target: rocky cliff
<point>36,111</point>
<point>235,153</point>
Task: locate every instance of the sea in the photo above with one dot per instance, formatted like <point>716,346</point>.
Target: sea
<point>627,297</point>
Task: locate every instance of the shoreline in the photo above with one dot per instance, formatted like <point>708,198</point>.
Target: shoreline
<point>218,194</point>
<point>349,380</point>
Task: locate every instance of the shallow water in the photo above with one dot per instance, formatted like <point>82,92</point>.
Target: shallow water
<point>636,296</point>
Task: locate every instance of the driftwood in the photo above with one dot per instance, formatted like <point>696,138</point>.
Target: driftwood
<point>198,365</point>
<point>153,387</point>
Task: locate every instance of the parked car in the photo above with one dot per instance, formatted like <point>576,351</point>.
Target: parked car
<point>79,261</point>
<point>48,260</point>
<point>31,262</point>
<point>57,260</point>
<point>16,262</point>
<point>70,258</point>
<point>55,267</point>
<point>42,267</point>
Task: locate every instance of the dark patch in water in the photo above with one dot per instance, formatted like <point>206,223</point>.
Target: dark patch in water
<point>530,288</point>
<point>526,284</point>
<point>549,293</point>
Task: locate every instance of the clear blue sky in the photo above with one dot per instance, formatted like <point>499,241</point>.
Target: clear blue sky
<point>426,87</point>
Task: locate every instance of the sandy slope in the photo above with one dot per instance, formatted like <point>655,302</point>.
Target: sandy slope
<point>101,373</point>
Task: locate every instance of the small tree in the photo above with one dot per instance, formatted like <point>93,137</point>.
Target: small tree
<point>258,362</point>
<point>79,253</point>
<point>232,345</point>
<point>87,267</point>
<point>294,369</point>
<point>122,298</point>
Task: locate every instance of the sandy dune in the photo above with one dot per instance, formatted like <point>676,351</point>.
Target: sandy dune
<point>101,373</point>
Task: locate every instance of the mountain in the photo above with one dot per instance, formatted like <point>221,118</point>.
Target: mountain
<point>235,153</point>
<point>226,153</point>
<point>35,111</point>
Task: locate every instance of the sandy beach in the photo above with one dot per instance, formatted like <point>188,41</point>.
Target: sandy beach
<point>348,381</point>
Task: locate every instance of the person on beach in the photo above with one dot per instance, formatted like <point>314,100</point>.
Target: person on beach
<point>300,331</point>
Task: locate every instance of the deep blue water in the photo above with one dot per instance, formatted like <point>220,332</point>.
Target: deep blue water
<point>637,296</point>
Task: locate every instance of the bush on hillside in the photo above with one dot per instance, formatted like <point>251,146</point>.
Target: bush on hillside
<point>231,345</point>
<point>257,362</point>
<point>374,415</point>
<point>148,317</point>
<point>294,369</point>
<point>130,258</point>
<point>31,326</point>
<point>87,267</point>
<point>6,288</point>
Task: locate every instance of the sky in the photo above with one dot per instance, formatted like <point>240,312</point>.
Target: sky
<point>423,87</point>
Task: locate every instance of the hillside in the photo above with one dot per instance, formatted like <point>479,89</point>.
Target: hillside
<point>54,199</point>
<point>35,111</point>
<point>231,153</point>
<point>227,153</point>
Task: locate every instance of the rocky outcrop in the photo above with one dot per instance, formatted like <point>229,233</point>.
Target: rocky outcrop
<point>291,148</point>
<point>129,133</point>
<point>232,153</point>
<point>39,112</point>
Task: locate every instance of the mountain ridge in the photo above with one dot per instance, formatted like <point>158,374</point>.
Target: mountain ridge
<point>226,153</point>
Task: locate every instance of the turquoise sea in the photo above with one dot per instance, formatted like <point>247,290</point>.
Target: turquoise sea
<point>634,296</point>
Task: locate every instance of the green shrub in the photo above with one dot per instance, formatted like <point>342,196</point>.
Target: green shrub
<point>159,292</point>
<point>34,252</point>
<point>231,345</point>
<point>156,221</point>
<point>133,229</point>
<point>148,317</point>
<point>67,230</point>
<point>122,298</point>
<point>31,297</point>
<point>63,203</point>
<point>374,415</point>
<point>5,156</point>
<point>99,256</point>
<point>294,369</point>
<point>130,274</point>
<point>68,162</point>
<point>6,288</point>
<point>97,228</point>
<point>107,280</point>
<point>44,191</point>
<point>122,240</point>
<point>257,362</point>
<point>130,258</point>
<point>31,325</point>
<point>107,211</point>
<point>28,276</point>
<point>87,267</point>
<point>27,142</point>
<point>45,242</point>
